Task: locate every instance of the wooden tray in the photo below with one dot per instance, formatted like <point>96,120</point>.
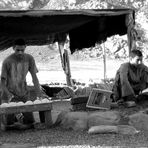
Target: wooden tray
<point>26,108</point>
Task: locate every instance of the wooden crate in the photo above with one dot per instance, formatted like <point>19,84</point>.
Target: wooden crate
<point>99,99</point>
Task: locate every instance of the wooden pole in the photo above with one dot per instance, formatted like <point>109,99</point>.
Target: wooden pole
<point>67,68</point>
<point>65,63</point>
<point>104,61</point>
<point>131,34</point>
<point>61,48</point>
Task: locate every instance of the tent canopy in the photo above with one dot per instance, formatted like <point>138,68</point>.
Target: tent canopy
<point>84,27</point>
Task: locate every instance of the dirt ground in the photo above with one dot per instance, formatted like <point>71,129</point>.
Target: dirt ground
<point>60,138</point>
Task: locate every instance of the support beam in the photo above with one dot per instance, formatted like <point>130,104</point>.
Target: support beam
<point>104,61</point>
<point>65,63</point>
<point>67,68</point>
<point>131,32</point>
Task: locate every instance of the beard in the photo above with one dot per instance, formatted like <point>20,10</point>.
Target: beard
<point>20,56</point>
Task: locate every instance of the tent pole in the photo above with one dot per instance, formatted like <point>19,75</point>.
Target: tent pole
<point>61,47</point>
<point>65,63</point>
<point>67,68</point>
<point>131,32</point>
<point>104,61</point>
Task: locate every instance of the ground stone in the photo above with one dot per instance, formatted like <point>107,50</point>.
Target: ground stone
<point>139,121</point>
<point>103,118</point>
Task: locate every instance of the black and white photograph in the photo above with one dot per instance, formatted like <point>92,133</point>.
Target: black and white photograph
<point>73,73</point>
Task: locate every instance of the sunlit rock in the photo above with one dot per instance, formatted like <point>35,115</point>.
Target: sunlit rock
<point>28,103</point>
<point>20,103</point>
<point>4,105</point>
<point>12,104</point>
<point>37,102</point>
<point>45,100</point>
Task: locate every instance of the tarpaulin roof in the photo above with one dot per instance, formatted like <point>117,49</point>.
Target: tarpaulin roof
<point>40,27</point>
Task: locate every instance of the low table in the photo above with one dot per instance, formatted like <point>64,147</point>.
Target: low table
<point>45,107</point>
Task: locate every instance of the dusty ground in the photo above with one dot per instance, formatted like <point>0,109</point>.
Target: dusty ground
<point>60,138</point>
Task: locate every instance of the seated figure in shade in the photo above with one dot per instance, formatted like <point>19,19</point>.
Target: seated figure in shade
<point>131,79</point>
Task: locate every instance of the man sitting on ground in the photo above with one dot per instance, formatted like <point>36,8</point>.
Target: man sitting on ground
<point>131,79</point>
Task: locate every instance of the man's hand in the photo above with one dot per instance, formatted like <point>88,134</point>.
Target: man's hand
<point>10,96</point>
<point>7,96</point>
